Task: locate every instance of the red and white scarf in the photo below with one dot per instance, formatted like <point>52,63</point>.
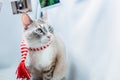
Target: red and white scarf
<point>22,71</point>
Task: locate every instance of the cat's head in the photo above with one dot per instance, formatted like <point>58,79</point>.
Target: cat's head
<point>37,32</point>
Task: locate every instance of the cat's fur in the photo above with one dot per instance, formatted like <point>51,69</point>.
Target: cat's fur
<point>49,64</point>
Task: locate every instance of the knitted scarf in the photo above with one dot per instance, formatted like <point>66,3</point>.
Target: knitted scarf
<point>22,71</point>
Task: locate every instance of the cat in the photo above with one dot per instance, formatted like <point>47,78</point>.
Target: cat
<point>47,59</point>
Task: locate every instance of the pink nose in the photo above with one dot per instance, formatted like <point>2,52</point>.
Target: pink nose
<point>49,36</point>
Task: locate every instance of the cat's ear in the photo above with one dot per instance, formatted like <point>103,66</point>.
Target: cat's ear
<point>44,16</point>
<point>26,20</point>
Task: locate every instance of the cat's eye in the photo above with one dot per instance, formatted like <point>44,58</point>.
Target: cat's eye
<point>39,30</point>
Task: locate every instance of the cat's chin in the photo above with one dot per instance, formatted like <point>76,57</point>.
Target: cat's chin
<point>36,44</point>
<point>46,42</point>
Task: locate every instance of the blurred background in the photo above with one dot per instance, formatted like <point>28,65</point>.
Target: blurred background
<point>90,30</point>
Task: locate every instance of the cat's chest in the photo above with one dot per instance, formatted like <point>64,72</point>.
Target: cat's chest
<point>42,59</point>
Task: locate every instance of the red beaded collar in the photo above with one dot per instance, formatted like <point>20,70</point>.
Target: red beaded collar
<point>40,48</point>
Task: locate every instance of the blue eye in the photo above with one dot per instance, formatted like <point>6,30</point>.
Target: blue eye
<point>39,30</point>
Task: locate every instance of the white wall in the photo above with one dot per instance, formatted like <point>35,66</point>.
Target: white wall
<point>10,35</point>
<point>89,28</point>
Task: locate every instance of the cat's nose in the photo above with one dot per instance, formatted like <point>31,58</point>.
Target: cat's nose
<point>49,36</point>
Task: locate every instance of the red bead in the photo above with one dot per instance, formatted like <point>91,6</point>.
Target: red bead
<point>30,49</point>
<point>47,45</point>
<point>37,49</point>
<point>44,46</point>
<point>34,49</point>
<point>41,48</point>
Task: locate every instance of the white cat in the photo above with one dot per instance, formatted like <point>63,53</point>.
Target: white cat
<point>46,59</point>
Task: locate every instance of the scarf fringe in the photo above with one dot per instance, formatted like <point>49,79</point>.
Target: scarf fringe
<point>22,71</point>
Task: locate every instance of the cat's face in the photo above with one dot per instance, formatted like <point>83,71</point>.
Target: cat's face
<point>38,32</point>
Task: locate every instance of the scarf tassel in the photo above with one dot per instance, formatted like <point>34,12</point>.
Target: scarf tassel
<point>22,71</point>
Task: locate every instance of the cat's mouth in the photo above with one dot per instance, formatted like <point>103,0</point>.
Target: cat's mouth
<point>45,41</point>
<point>37,36</point>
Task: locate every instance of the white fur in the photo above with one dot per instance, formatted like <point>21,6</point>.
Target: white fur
<point>39,61</point>
<point>43,59</point>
